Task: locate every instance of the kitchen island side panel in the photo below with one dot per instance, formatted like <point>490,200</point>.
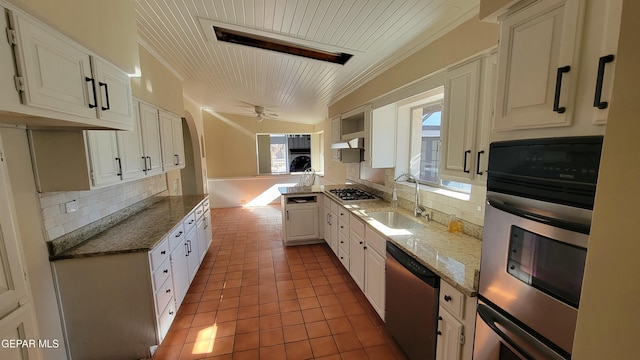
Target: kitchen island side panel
<point>107,306</point>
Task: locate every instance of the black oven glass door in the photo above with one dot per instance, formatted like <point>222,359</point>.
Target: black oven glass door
<point>551,266</point>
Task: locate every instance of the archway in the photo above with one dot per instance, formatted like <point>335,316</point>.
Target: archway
<point>193,177</point>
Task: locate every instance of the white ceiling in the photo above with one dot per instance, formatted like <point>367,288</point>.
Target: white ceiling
<point>231,78</point>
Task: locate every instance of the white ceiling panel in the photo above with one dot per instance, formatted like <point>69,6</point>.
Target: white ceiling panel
<point>229,78</point>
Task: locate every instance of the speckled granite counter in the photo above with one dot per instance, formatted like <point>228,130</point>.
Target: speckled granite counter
<point>453,257</point>
<point>138,232</point>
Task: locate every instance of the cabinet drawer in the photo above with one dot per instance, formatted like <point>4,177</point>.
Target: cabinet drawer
<point>206,205</point>
<point>159,255</point>
<point>199,211</point>
<point>343,257</point>
<point>356,226</point>
<point>189,222</point>
<point>343,227</point>
<point>161,275</point>
<point>452,300</point>
<point>166,318</point>
<point>375,241</point>
<point>164,295</point>
<point>176,237</point>
<point>343,214</point>
<point>343,242</point>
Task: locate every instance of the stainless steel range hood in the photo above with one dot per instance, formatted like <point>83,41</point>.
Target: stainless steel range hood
<point>351,151</point>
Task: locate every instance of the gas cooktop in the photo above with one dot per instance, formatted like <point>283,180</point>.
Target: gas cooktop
<point>352,194</point>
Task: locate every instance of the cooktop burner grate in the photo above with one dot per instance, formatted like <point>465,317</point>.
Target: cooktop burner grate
<point>352,194</point>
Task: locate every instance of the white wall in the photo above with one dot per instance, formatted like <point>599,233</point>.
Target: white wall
<point>251,190</point>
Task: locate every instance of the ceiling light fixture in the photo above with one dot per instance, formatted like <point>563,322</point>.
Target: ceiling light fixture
<point>262,42</point>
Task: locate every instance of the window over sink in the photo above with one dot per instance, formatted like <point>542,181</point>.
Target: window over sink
<point>425,143</point>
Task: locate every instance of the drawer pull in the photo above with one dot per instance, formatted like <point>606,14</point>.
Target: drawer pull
<point>447,298</point>
<point>361,242</point>
<point>190,221</point>
<point>166,271</point>
<point>170,312</point>
<point>163,252</point>
<point>179,234</point>
<point>168,291</point>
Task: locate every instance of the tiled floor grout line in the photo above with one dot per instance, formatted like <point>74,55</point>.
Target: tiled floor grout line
<point>253,298</point>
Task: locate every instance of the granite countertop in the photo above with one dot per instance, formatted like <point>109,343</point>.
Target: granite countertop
<point>453,257</point>
<point>139,232</point>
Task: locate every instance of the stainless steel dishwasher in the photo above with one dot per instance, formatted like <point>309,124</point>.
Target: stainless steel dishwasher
<point>412,304</point>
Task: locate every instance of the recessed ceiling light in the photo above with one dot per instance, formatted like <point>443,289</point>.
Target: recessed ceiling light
<point>262,42</point>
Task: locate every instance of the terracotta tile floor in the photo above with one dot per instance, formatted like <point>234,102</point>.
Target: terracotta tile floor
<point>253,298</point>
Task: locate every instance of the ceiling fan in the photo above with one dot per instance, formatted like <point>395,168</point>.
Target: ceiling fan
<point>262,113</point>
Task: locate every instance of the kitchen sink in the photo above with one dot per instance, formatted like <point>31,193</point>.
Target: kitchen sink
<point>394,220</point>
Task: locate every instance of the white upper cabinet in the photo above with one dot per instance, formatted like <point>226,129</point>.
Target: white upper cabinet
<point>114,90</point>
<point>172,141</point>
<point>59,82</point>
<point>538,73</point>
<point>130,150</point>
<point>461,90</point>
<point>105,162</point>
<point>335,137</point>
<point>381,149</point>
<point>56,73</point>
<point>150,126</point>
<point>598,60</point>
<point>467,117</point>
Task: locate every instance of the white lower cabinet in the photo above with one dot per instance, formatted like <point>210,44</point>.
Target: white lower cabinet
<point>300,218</point>
<point>456,324</point>
<point>374,273</point>
<point>193,256</point>
<point>356,251</point>
<point>450,336</point>
<point>128,300</point>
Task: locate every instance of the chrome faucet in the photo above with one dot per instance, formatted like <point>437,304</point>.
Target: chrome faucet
<point>417,209</point>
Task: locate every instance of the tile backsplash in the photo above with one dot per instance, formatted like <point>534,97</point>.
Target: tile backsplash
<point>92,205</point>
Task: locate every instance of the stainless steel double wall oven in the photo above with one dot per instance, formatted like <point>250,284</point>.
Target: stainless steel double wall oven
<point>540,196</point>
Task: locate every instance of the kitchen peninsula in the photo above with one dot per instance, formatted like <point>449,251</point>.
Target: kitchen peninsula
<point>120,288</point>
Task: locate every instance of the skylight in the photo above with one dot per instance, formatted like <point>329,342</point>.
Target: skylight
<point>262,42</point>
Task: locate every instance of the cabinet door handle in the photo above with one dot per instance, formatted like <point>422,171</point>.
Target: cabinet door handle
<point>106,94</point>
<point>177,157</point>
<point>93,88</point>
<point>597,100</point>
<point>328,220</point>
<point>144,159</point>
<point>287,214</point>
<point>187,248</point>
<point>464,166</point>
<point>119,167</point>
<point>150,164</point>
<point>478,172</point>
<point>556,101</point>
<point>447,298</point>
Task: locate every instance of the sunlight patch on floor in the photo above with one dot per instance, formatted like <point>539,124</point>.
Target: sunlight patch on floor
<point>205,341</point>
<point>267,196</point>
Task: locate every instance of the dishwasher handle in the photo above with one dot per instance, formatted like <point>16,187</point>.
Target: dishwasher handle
<point>413,266</point>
